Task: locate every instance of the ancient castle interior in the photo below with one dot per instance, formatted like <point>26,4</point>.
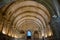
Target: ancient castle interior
<point>29,20</point>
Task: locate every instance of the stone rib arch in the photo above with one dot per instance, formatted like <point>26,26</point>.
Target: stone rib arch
<point>19,11</point>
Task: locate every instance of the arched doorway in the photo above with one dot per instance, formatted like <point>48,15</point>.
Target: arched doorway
<point>36,35</point>
<point>29,35</point>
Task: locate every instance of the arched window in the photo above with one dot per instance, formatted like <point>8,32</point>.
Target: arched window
<point>29,33</point>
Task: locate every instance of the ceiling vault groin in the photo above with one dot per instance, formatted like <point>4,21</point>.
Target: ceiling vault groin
<point>27,15</point>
